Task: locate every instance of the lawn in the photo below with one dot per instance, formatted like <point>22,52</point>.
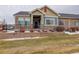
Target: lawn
<point>55,43</point>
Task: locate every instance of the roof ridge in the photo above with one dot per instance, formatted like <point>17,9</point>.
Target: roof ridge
<point>65,15</point>
<point>69,13</point>
<point>50,9</point>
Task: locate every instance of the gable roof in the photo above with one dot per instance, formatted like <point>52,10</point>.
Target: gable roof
<point>38,10</point>
<point>64,15</point>
<point>22,13</point>
<point>49,9</point>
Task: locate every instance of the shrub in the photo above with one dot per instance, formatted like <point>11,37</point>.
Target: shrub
<point>51,30</point>
<point>31,30</point>
<point>60,29</point>
<point>73,29</point>
<point>22,29</point>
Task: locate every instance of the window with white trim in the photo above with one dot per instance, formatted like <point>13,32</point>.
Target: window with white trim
<point>27,23</point>
<point>50,21</point>
<point>24,22</point>
<point>21,21</point>
<point>77,23</point>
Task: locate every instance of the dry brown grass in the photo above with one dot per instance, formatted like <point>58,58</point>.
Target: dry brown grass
<point>54,43</point>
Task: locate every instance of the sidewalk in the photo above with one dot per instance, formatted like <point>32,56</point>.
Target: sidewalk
<point>13,39</point>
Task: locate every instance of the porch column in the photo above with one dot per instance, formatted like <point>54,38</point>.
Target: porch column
<point>31,22</point>
<point>42,22</point>
<point>57,21</point>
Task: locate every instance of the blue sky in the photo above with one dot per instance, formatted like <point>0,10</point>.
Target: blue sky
<point>7,11</point>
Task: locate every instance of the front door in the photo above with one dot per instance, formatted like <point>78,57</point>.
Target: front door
<point>36,22</point>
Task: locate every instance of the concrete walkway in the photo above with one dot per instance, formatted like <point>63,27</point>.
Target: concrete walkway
<point>25,38</point>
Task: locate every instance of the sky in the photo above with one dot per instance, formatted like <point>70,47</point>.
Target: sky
<point>7,11</point>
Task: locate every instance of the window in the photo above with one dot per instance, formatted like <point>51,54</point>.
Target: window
<point>27,23</point>
<point>77,23</point>
<point>73,23</point>
<point>21,21</point>
<point>61,22</point>
<point>66,23</point>
<point>24,23</point>
<point>50,21</point>
<point>56,21</point>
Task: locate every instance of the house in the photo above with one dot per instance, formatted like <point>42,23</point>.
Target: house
<point>1,24</point>
<point>45,19</point>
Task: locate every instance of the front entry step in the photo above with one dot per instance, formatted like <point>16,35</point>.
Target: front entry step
<point>41,30</point>
<point>37,30</point>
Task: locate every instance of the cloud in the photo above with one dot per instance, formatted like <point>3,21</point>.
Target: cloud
<point>7,11</point>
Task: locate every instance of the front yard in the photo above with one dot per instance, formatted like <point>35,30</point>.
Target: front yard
<point>53,44</point>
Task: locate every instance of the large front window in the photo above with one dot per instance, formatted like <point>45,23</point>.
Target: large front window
<point>27,23</point>
<point>21,21</point>
<point>24,23</point>
<point>51,21</point>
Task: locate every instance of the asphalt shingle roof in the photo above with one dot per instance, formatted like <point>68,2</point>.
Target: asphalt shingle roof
<point>69,15</point>
<point>22,13</point>
<point>64,15</point>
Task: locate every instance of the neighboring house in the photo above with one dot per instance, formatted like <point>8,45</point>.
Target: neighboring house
<point>1,24</point>
<point>22,21</point>
<point>44,19</point>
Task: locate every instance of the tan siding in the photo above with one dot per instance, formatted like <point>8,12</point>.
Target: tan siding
<point>37,13</point>
<point>49,27</point>
<point>49,12</point>
<point>70,21</point>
